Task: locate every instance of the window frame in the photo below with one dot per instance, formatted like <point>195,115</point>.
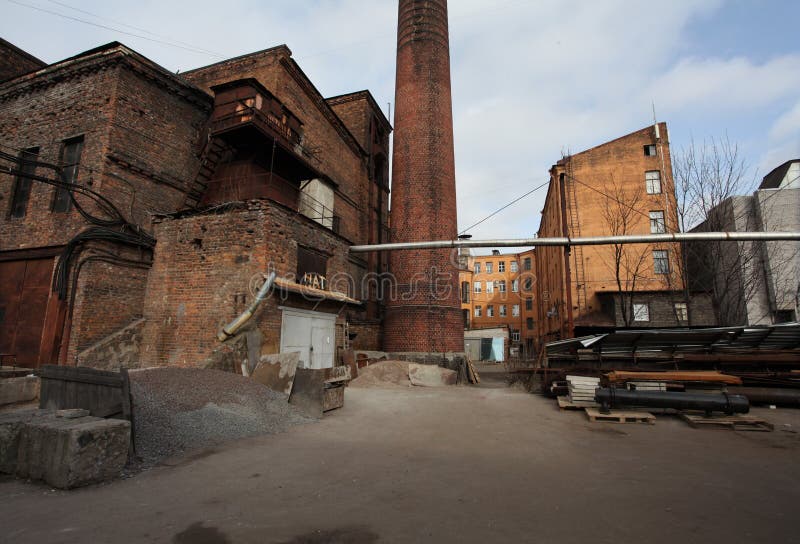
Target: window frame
<point>476,287</point>
<point>489,267</point>
<point>490,310</point>
<point>476,268</point>
<point>661,262</point>
<point>489,287</point>
<point>648,148</point>
<point>526,263</point>
<point>515,310</point>
<point>503,310</point>
<point>501,266</point>
<point>636,312</point>
<point>501,286</point>
<point>477,310</point>
<point>528,303</point>
<point>649,182</point>
<point>656,226</point>
<point>514,266</point>
<point>62,202</point>
<point>681,310</point>
<point>23,183</point>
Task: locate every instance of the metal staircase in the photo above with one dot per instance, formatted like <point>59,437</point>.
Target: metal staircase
<point>574,227</point>
<point>215,152</point>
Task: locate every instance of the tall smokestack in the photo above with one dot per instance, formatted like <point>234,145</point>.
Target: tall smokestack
<point>425,314</point>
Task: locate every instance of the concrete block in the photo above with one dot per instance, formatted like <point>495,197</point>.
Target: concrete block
<point>11,425</point>
<point>430,375</point>
<point>24,389</point>
<point>69,453</point>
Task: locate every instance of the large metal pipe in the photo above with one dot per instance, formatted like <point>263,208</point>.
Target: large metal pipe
<point>230,330</point>
<point>587,240</point>
<point>769,395</point>
<point>610,397</point>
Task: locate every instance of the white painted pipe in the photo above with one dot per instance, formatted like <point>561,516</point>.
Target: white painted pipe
<point>233,327</point>
<point>586,241</point>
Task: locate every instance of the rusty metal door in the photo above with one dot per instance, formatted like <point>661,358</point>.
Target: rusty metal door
<point>24,296</point>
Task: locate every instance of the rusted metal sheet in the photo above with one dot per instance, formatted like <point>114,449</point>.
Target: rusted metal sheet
<point>333,398</point>
<point>308,391</point>
<point>277,371</point>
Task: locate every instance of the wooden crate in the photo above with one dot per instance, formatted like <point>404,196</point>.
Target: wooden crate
<point>620,416</point>
<point>736,422</point>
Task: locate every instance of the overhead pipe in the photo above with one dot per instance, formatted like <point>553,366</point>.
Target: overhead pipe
<point>230,330</point>
<point>586,240</point>
<point>610,397</point>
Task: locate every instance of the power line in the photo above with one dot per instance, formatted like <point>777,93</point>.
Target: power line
<point>506,206</point>
<point>106,27</point>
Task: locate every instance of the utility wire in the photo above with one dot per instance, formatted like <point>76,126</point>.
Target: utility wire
<point>106,27</point>
<point>506,206</point>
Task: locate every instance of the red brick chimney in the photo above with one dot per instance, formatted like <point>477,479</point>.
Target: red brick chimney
<point>424,315</point>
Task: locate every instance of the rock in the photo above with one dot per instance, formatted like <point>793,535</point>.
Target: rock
<point>69,453</point>
<point>11,425</point>
<point>431,375</point>
<point>14,390</point>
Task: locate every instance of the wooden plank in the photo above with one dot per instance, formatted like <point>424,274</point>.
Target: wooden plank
<point>735,422</point>
<point>620,416</point>
<point>565,404</point>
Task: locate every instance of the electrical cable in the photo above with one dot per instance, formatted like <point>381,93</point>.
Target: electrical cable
<point>504,207</point>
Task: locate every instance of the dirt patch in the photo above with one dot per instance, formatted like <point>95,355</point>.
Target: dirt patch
<point>384,374</point>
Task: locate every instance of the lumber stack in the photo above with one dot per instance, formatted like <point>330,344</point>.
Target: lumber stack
<point>581,388</point>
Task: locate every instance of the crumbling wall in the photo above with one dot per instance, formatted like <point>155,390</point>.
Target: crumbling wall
<point>117,350</point>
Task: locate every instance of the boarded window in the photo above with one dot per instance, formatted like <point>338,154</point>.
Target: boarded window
<point>70,162</point>
<point>22,185</point>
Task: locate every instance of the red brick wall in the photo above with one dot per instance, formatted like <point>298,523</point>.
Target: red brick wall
<point>202,273</point>
<point>15,62</point>
<point>423,186</point>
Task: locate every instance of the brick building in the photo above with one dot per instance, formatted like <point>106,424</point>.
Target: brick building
<point>16,62</point>
<point>621,187</point>
<point>498,290</point>
<point>142,208</point>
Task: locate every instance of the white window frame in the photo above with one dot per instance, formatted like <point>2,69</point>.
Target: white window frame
<point>501,266</point>
<point>641,311</point>
<point>477,310</point>
<point>514,335</point>
<point>514,266</point>
<point>476,268</point>
<point>652,181</point>
<point>661,261</point>
<point>515,310</point>
<point>489,268</point>
<point>657,223</point>
<point>515,285</point>
<point>503,310</point>
<point>489,310</point>
<point>681,312</point>
<point>477,287</point>
<point>501,286</point>
<point>489,287</point>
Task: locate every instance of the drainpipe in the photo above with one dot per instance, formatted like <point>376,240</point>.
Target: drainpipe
<point>230,330</point>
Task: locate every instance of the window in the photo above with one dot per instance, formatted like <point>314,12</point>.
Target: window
<point>477,270</point>
<point>70,161</point>
<point>529,323</point>
<point>650,150</point>
<point>464,292</point>
<point>652,179</point>
<point>477,311</point>
<point>657,225</point>
<point>503,310</point>
<point>22,185</point>
<point>501,266</point>
<point>489,311</point>
<point>489,287</point>
<point>526,263</point>
<point>502,286</point>
<point>489,268</point>
<point>514,266</point>
<point>681,311</point>
<point>529,303</point>
<point>660,261</point>
<point>641,312</point>
<point>515,286</point>
<point>311,265</point>
<point>514,335</point>
<point>515,310</point>
<point>477,285</point>
<point>528,284</point>
<point>465,314</point>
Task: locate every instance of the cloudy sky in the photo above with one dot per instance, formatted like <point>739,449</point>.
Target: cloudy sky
<point>531,78</point>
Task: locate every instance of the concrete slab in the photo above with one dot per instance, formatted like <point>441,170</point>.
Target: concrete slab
<point>11,425</point>
<point>277,371</point>
<point>431,376</point>
<point>69,453</point>
<point>22,389</point>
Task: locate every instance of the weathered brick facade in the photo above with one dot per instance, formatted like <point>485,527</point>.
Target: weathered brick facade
<point>15,62</point>
<point>426,317</point>
<point>146,142</point>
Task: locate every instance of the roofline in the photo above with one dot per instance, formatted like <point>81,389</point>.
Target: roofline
<point>23,52</point>
<point>347,97</point>
<point>613,141</point>
<point>241,57</point>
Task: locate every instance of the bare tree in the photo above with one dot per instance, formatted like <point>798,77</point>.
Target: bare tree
<point>622,214</point>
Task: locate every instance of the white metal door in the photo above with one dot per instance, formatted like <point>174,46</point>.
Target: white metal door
<point>312,334</point>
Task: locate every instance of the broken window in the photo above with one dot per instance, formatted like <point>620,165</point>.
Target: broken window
<point>641,312</point>
<point>650,150</point>
<point>681,311</point>
<point>22,184</point>
<point>70,162</point>
<point>652,179</point>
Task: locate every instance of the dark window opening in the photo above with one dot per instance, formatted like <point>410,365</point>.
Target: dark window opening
<point>526,263</point>
<point>70,161</point>
<point>529,323</point>
<point>310,263</point>
<point>465,292</point>
<point>529,304</point>
<point>650,150</point>
<point>22,185</point>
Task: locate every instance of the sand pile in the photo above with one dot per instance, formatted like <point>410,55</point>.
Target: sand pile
<point>383,374</point>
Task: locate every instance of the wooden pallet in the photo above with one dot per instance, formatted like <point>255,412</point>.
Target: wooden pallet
<point>565,404</point>
<point>620,416</point>
<point>736,423</point>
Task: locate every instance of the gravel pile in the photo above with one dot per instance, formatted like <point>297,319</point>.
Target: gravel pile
<point>177,410</point>
<point>383,374</point>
